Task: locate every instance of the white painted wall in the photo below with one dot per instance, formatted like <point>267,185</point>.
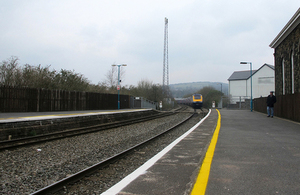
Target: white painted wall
<point>263,81</point>
<point>238,88</point>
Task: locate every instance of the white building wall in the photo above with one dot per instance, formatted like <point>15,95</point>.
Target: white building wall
<point>263,81</point>
<point>237,90</point>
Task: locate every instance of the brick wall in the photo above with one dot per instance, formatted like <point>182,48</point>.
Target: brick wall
<point>284,51</point>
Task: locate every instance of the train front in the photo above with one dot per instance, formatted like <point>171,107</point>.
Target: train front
<point>197,101</point>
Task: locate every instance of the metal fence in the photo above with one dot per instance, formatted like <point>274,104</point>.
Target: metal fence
<point>21,99</point>
<point>287,106</point>
<point>239,102</point>
<point>140,102</point>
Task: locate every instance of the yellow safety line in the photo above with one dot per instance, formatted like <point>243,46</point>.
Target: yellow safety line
<point>202,179</point>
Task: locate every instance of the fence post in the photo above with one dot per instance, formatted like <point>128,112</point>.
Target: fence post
<point>38,101</point>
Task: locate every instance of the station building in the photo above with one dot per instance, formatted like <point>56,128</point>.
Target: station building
<point>262,83</point>
<point>286,47</point>
<point>287,57</point>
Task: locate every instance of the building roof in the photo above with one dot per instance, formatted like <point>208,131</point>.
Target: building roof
<point>271,66</point>
<point>245,75</point>
<point>287,29</point>
<point>240,75</point>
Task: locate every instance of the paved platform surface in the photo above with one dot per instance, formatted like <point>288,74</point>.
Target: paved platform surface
<point>255,155</point>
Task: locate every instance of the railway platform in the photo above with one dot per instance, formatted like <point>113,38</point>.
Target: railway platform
<point>33,116</point>
<point>20,125</point>
<point>250,154</point>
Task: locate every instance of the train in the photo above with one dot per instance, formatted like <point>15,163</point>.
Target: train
<point>195,101</point>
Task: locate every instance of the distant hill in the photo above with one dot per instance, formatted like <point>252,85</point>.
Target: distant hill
<point>181,89</point>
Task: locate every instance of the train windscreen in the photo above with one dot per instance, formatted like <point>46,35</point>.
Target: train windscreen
<point>197,96</point>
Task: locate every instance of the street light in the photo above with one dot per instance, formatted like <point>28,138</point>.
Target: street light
<point>221,102</point>
<point>118,87</point>
<point>251,103</point>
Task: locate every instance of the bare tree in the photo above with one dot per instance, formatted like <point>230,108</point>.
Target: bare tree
<point>99,88</point>
<point>42,77</point>
<point>111,77</point>
<point>7,71</point>
<point>70,80</point>
<point>147,90</point>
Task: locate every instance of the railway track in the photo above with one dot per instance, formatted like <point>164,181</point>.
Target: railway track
<point>101,165</point>
<point>10,144</point>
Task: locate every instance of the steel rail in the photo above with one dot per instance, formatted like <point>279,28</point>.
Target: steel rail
<point>77,176</point>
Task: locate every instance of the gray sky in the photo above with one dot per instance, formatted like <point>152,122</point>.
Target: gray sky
<point>207,39</point>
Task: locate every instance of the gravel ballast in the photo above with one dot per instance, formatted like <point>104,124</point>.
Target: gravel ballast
<point>27,169</point>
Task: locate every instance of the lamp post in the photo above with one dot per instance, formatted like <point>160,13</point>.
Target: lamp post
<point>221,101</point>
<point>251,103</point>
<point>221,87</point>
<point>118,87</point>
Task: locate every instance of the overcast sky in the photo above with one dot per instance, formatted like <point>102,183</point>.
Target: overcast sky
<point>207,38</point>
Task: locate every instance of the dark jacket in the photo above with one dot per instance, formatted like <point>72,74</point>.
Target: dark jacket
<point>271,100</point>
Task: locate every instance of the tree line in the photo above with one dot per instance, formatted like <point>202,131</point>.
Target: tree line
<point>13,74</point>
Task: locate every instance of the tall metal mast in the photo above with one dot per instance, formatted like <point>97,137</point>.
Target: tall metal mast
<point>166,61</point>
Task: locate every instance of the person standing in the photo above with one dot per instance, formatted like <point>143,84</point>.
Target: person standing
<point>271,100</point>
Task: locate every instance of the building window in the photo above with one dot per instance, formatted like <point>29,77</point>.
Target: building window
<point>292,73</point>
<point>283,78</point>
